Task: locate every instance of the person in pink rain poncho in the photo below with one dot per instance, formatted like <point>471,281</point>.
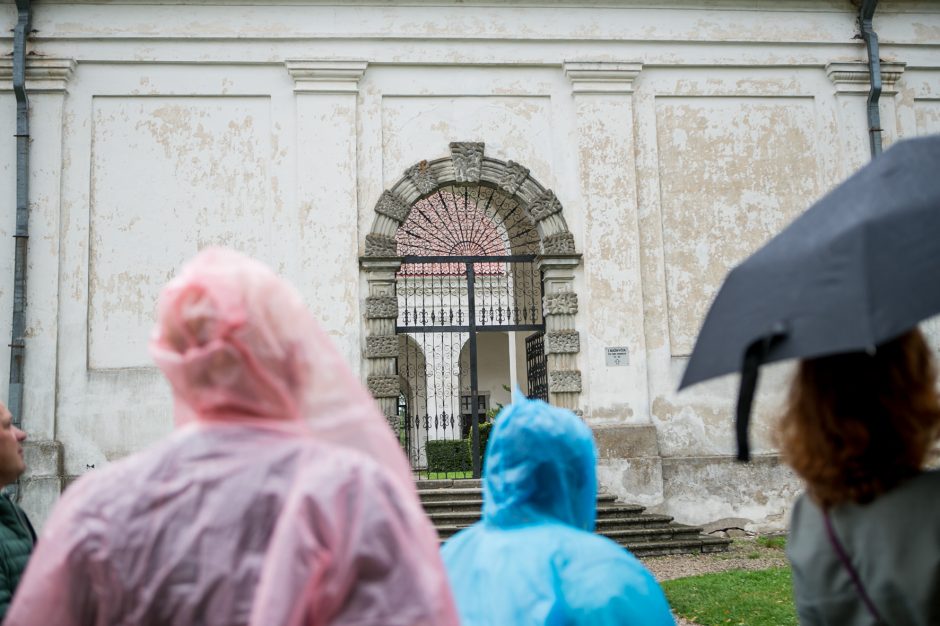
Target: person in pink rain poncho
<point>281,498</point>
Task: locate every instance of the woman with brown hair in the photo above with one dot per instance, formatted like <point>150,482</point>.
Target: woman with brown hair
<point>865,537</point>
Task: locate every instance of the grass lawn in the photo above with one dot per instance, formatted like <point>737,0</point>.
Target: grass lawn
<point>757,598</point>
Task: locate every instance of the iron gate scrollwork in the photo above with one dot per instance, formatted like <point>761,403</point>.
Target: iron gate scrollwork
<point>477,274</point>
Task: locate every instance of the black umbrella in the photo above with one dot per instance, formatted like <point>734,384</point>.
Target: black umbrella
<point>858,268</point>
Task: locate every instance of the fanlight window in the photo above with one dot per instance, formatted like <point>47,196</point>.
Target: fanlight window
<point>465,221</point>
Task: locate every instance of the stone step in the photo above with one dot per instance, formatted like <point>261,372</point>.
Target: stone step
<point>636,529</point>
<point>651,534</point>
<point>697,545</point>
<point>456,504</point>
<point>626,517</point>
<point>469,506</point>
<point>461,483</point>
<point>476,493</point>
<point>476,505</point>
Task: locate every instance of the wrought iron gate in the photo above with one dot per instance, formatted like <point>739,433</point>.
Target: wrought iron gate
<point>536,366</point>
<point>445,303</point>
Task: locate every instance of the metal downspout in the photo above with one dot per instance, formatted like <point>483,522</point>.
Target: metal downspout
<point>21,235</point>
<point>865,14</point>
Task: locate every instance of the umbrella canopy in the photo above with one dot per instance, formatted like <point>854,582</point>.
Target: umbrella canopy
<point>858,268</point>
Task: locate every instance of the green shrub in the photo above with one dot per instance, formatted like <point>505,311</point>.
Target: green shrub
<point>484,430</point>
<point>448,456</point>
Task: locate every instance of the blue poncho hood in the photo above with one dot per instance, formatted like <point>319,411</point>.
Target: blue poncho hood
<point>540,463</point>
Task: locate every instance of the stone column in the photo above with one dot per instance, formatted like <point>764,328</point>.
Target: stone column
<point>46,85</point>
<point>851,91</point>
<point>381,349</point>
<point>326,95</point>
<point>562,341</point>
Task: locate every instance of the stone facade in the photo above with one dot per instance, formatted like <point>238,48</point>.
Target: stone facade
<point>284,131</point>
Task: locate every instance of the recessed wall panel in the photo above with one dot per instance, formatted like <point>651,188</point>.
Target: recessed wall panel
<point>927,113</point>
<point>733,171</point>
<point>169,175</point>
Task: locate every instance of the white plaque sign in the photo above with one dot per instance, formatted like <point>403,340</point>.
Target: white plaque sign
<point>618,356</point>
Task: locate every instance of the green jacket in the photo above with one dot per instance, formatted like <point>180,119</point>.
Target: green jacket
<point>17,539</point>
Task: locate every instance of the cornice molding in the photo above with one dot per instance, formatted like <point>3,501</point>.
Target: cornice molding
<point>852,78</point>
<point>43,74</point>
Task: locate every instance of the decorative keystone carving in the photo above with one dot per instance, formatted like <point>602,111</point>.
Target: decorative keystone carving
<point>565,381</point>
<point>379,307</point>
<point>468,161</point>
<point>392,206</point>
<point>562,342</point>
<point>564,303</point>
<point>382,346</point>
<point>511,177</point>
<point>420,174</point>
<point>381,245</point>
<point>559,243</point>
<point>383,386</point>
<point>545,205</point>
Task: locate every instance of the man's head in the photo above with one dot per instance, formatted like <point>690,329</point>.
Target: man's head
<point>11,448</point>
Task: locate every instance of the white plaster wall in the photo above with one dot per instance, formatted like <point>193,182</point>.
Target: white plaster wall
<point>184,128</point>
<point>7,227</point>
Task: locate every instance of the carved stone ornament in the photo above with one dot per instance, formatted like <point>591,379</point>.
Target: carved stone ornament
<point>512,177</point>
<point>545,205</point>
<point>382,346</point>
<point>392,206</point>
<point>564,381</point>
<point>559,243</point>
<point>468,161</point>
<point>381,245</point>
<point>562,342</point>
<point>565,303</point>
<point>383,386</point>
<point>420,174</point>
<point>381,307</point>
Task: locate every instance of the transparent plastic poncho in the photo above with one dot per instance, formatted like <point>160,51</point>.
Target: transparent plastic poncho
<point>532,559</point>
<point>281,498</point>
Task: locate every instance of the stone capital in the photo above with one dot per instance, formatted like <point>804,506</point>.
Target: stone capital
<point>380,267</point>
<point>326,76</point>
<point>852,78</point>
<point>43,74</point>
<point>601,77</point>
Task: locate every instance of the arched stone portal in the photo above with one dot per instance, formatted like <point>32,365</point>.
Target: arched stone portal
<point>468,167</point>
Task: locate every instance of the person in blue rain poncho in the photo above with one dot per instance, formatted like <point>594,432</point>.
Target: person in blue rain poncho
<point>533,558</point>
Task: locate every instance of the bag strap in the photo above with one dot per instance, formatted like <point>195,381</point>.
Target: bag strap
<point>844,558</point>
